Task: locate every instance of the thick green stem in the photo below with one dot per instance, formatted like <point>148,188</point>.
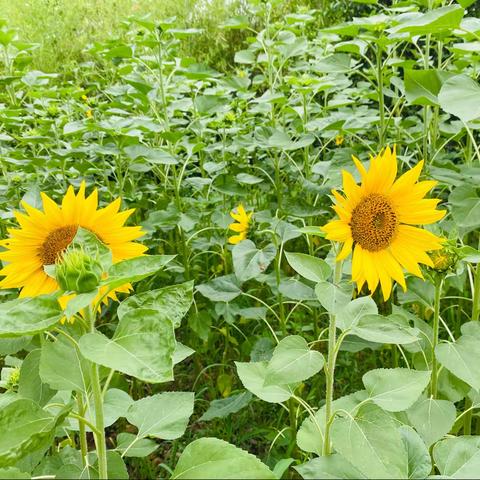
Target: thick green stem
<point>100,441</point>
<point>330,369</point>
<point>81,429</point>
<point>381,101</point>
<point>436,325</point>
<point>476,295</point>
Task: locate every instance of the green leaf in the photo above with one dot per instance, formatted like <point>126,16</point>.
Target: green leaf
<point>465,201</point>
<point>211,458</point>
<point>253,376</point>
<point>135,269</point>
<point>391,329</point>
<point>332,297</point>
<point>24,428</point>
<point>293,361</point>
<point>310,434</point>
<point>164,415</point>
<point>221,289</point>
<point>432,418</point>
<point>371,442</point>
<point>458,457</point>
<point>330,467</point>
<point>12,473</point>
<point>73,374</point>
<point>115,405</point>
<point>419,462</point>
<point>395,389</point>
<point>173,302</point>
<point>462,357</point>
<point>226,406</point>
<point>143,346</point>
<point>129,445</point>
<point>350,314</point>
<point>249,262</point>
<point>422,86</point>
<point>309,267</point>
<point>434,21</point>
<point>30,384</point>
<point>28,316</point>
<point>460,96</point>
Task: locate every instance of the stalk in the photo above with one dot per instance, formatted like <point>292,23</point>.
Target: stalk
<point>381,101</point>
<point>436,323</point>
<point>99,435</point>
<point>330,369</point>
<point>81,429</point>
<point>467,420</point>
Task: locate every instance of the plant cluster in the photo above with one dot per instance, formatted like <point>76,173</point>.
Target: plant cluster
<point>268,272</point>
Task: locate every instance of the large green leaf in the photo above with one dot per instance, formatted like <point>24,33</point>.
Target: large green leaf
<point>432,418</point>
<point>332,297</point>
<point>164,415</point>
<point>225,406</point>
<point>329,467</point>
<point>311,432</point>
<point>30,384</point>
<point>465,201</point>
<point>28,316</point>
<point>422,86</point>
<point>249,261</point>
<point>395,389</point>
<point>391,329</point>
<point>221,289</point>
<point>460,96</point>
<point>143,346</point>
<point>371,442</point>
<point>292,361</point>
<point>173,302</point>
<point>24,427</point>
<point>309,267</point>
<point>458,457</point>
<point>419,462</point>
<point>350,314</point>
<point>211,458</point>
<point>129,445</point>
<point>135,269</point>
<point>253,376</point>
<point>434,21</point>
<point>74,373</point>
<point>463,356</point>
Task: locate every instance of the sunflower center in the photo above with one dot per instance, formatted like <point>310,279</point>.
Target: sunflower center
<point>373,222</point>
<point>56,243</point>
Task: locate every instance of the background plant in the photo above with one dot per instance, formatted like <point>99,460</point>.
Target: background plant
<point>184,143</point>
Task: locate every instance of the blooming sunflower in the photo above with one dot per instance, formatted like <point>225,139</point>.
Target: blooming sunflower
<point>377,218</point>
<point>44,235</point>
<point>241,224</point>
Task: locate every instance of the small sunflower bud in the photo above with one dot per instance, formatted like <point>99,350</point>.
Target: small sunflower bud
<point>13,379</point>
<point>78,272</point>
<point>444,259</point>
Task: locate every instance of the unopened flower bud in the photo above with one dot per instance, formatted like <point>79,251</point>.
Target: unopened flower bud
<point>78,272</point>
<point>444,259</point>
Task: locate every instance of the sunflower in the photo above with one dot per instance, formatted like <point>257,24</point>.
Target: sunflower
<point>376,221</point>
<point>44,235</point>
<point>241,224</point>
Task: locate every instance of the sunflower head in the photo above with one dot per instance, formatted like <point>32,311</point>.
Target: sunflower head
<point>78,272</point>
<point>378,220</point>
<point>241,224</point>
<point>339,140</point>
<point>444,259</point>
<point>44,235</point>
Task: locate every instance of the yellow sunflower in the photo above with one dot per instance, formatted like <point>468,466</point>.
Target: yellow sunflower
<point>44,235</point>
<point>241,224</point>
<point>377,218</point>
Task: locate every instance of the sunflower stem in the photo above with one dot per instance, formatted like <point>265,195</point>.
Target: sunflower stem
<point>330,368</point>
<point>81,429</point>
<point>98,402</point>
<point>436,324</point>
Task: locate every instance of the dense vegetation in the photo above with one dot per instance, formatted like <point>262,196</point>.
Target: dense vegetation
<point>191,114</point>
